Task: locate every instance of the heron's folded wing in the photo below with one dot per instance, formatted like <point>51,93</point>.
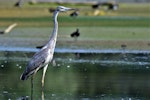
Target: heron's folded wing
<point>37,61</point>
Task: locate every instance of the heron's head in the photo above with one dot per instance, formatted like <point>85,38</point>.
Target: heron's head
<point>63,9</point>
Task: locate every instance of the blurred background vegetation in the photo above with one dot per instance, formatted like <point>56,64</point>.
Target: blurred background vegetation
<point>107,29</point>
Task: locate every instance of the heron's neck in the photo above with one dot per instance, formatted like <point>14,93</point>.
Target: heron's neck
<point>53,36</point>
<point>55,29</point>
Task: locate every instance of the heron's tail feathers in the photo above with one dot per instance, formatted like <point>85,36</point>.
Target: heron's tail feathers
<point>24,76</point>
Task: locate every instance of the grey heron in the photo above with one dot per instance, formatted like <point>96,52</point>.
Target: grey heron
<point>41,59</point>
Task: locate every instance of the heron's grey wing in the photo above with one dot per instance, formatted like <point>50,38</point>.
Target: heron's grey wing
<point>37,62</point>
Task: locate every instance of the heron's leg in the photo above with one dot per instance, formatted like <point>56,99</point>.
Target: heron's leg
<point>44,71</point>
<point>42,95</point>
<point>32,88</point>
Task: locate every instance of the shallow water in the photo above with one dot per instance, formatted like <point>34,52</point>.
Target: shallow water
<point>78,75</point>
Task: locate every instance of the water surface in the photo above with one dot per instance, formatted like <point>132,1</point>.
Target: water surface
<point>78,75</point>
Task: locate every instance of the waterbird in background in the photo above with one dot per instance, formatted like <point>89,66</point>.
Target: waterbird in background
<point>18,3</point>
<point>75,34</point>
<point>39,47</point>
<point>51,10</point>
<point>95,6</point>
<point>41,59</point>
<point>74,14</point>
<point>123,46</point>
<point>109,5</point>
<point>7,30</point>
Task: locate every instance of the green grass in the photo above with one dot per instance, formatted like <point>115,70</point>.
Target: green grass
<point>80,21</point>
<point>91,37</point>
<point>87,33</point>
